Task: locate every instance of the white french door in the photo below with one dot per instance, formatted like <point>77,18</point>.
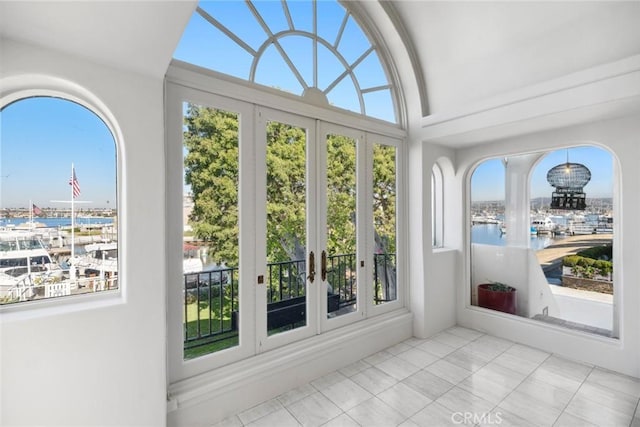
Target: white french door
<point>313,217</point>
<point>286,238</point>
<point>342,211</point>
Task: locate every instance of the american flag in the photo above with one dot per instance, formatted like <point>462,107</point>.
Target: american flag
<point>36,210</point>
<point>73,182</point>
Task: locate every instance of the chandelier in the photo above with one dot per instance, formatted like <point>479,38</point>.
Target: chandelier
<point>569,180</point>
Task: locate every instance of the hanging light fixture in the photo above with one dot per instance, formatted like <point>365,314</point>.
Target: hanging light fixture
<point>569,180</point>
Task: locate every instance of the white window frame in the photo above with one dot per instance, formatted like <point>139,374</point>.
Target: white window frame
<point>437,206</point>
<point>186,82</point>
<point>41,86</point>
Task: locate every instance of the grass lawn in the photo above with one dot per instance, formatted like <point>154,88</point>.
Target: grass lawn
<point>213,323</point>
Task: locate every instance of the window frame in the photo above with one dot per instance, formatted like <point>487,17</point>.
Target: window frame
<point>310,89</point>
<point>437,207</point>
<point>42,86</point>
<point>618,283</point>
<point>185,82</point>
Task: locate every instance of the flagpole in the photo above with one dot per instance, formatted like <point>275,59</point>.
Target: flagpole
<point>30,214</point>
<point>72,267</point>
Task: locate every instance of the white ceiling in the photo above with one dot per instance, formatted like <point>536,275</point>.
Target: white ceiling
<point>134,35</point>
<point>469,51</point>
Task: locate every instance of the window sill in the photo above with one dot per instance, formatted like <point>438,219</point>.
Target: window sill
<point>56,306</point>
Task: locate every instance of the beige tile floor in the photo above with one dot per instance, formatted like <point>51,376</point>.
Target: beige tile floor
<point>459,377</point>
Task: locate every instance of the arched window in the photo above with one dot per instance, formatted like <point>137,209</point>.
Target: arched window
<point>437,212</point>
<point>314,49</point>
<point>58,216</point>
<point>488,203</point>
<point>294,193</point>
<point>573,244</point>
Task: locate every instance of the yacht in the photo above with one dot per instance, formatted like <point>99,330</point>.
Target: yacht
<point>25,266</point>
<point>99,259</point>
<point>541,225</point>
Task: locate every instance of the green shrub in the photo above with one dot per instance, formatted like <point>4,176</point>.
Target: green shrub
<point>586,262</point>
<point>570,261</point>
<point>603,268</point>
<point>598,252</point>
<point>589,272</point>
<point>588,267</point>
<point>577,270</point>
<point>500,287</point>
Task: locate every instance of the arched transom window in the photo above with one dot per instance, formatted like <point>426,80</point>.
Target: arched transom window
<point>314,49</point>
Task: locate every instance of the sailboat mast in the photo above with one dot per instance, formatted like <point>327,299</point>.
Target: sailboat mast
<point>72,269</point>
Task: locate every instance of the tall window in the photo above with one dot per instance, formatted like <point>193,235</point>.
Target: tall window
<point>211,227</point>
<point>572,242</point>
<point>314,49</point>
<point>288,223</point>
<point>437,212</point>
<point>488,203</point>
<point>384,223</point>
<point>575,247</point>
<point>58,204</point>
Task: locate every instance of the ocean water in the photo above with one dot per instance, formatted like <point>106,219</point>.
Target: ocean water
<point>57,222</point>
<point>489,234</point>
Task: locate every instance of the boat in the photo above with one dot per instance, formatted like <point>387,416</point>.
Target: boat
<point>99,259</point>
<point>484,219</point>
<point>26,268</point>
<point>541,225</point>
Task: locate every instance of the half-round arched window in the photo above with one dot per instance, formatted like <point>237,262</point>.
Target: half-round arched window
<point>314,49</point>
<point>58,201</point>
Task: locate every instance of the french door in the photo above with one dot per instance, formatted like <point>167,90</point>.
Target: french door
<point>302,218</point>
<point>286,232</point>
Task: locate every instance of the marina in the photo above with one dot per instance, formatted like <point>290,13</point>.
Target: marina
<point>551,245</point>
<point>36,261</point>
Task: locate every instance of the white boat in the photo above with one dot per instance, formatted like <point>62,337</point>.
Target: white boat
<point>541,224</point>
<point>25,266</point>
<point>99,259</point>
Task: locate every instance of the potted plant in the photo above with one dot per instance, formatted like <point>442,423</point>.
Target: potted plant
<point>497,296</point>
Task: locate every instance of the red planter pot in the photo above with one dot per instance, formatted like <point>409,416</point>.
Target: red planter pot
<point>504,301</point>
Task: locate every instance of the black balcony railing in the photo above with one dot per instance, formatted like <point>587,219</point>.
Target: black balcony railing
<point>341,276</point>
<point>285,280</point>
<point>384,278</point>
<point>210,307</point>
<point>211,300</point>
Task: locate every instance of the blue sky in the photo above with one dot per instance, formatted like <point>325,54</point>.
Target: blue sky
<point>487,182</point>
<point>40,138</point>
<point>205,45</point>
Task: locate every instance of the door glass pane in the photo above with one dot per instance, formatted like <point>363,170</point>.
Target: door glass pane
<point>286,227</point>
<point>211,249</point>
<point>384,223</point>
<point>341,225</point>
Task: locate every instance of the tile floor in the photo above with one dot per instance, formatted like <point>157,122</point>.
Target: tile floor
<point>459,377</point>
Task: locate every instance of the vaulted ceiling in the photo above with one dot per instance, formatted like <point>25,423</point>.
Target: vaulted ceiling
<point>466,51</point>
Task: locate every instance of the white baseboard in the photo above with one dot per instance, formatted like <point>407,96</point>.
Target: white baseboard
<point>213,396</point>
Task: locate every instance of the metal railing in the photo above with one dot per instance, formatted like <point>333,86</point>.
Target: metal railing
<point>384,278</point>
<point>211,300</point>
<point>341,276</point>
<point>286,280</point>
<point>210,306</point>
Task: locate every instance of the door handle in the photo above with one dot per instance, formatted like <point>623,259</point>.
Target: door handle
<point>312,267</point>
<point>323,266</point>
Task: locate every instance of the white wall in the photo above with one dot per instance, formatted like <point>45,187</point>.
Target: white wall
<point>72,364</point>
<point>433,272</point>
<point>622,137</point>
